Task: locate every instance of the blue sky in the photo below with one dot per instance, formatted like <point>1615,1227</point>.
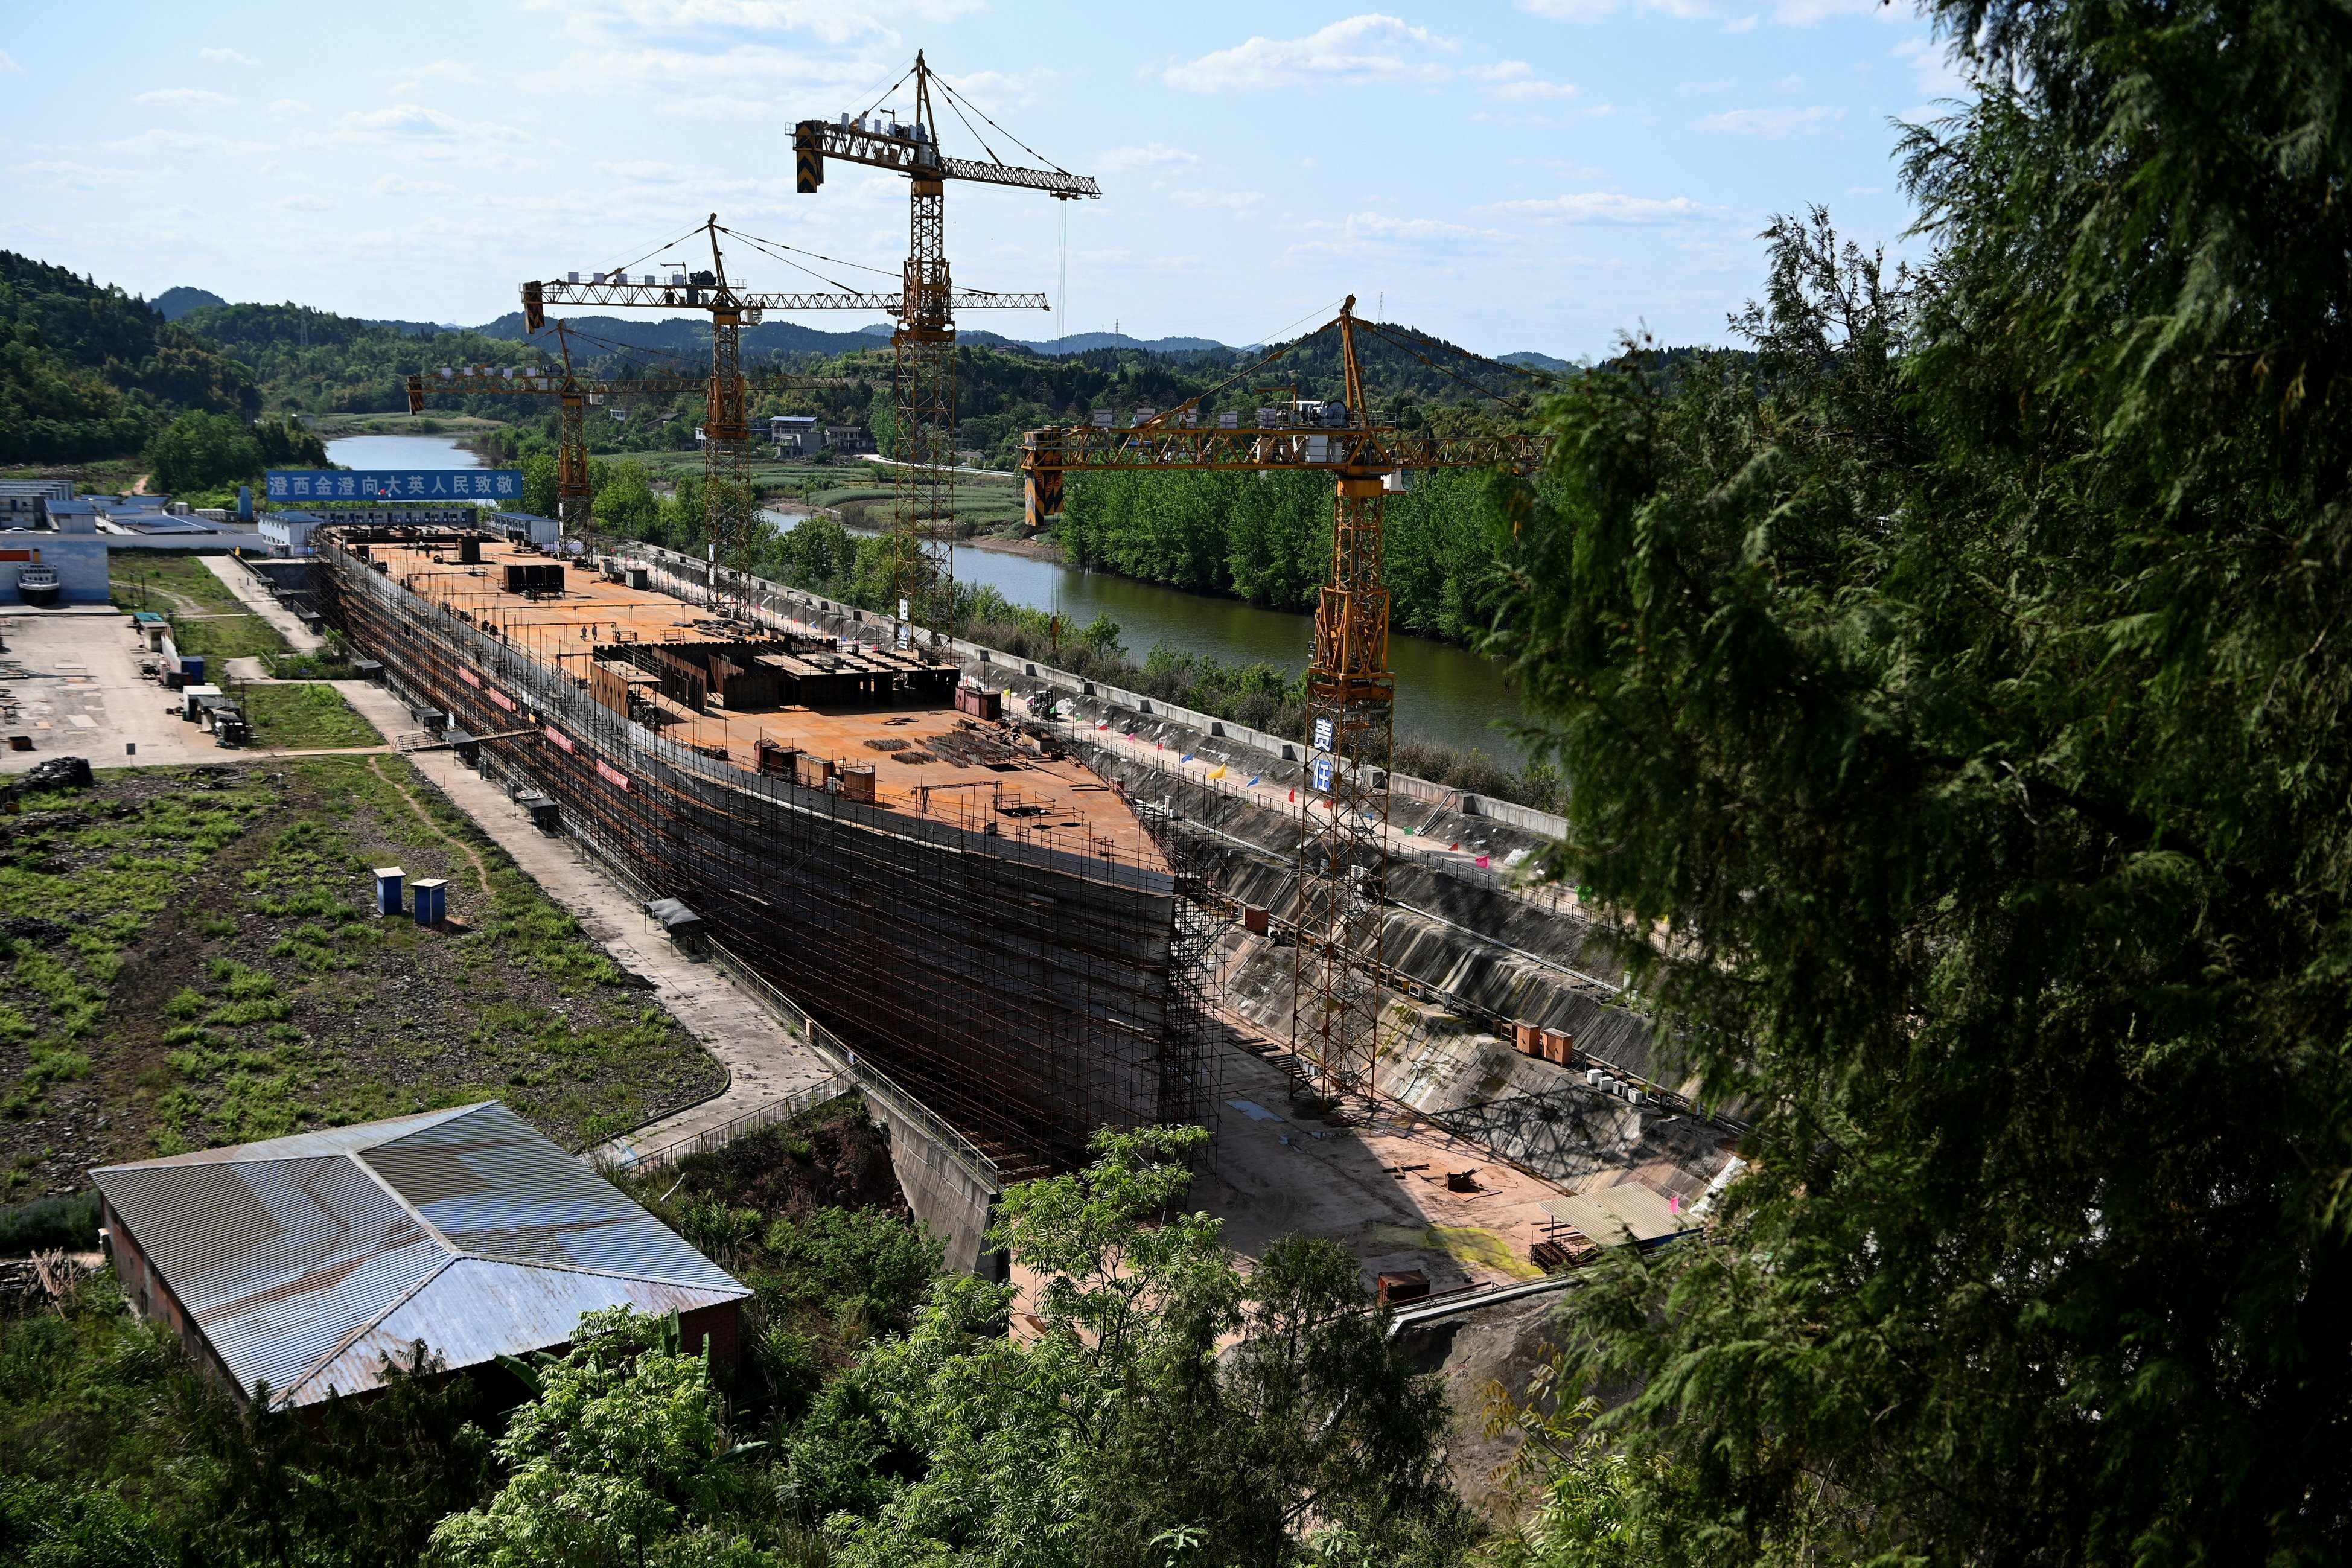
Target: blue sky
<point>1540,175</point>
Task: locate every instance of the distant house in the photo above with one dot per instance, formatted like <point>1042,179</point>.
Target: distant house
<point>795,435</point>
<point>312,1263</point>
<point>848,439</point>
<point>529,528</point>
<point>288,532</point>
<point>78,516</point>
<point>22,500</point>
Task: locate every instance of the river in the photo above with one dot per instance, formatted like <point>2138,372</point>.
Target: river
<point>400,452</point>
<point>1444,692</point>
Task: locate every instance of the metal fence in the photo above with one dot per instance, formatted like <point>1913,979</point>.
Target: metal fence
<point>764,1115</point>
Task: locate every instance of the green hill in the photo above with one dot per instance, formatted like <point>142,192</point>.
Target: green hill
<point>88,371</point>
<point>174,303</point>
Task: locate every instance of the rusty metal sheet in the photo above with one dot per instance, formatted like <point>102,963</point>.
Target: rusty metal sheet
<point>305,1262</point>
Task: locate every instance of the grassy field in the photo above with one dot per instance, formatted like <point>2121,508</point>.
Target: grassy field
<point>191,959</point>
<point>206,617</point>
<point>307,714</point>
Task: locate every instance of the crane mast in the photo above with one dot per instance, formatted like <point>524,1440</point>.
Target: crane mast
<point>1342,860</point>
<point>573,504</point>
<point>923,344</point>
<point>727,492</point>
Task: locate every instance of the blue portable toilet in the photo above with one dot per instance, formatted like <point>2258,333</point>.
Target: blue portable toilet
<point>245,503</point>
<point>387,890</point>
<point>431,903</point>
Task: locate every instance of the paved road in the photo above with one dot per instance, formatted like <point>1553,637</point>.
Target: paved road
<point>764,1063</point>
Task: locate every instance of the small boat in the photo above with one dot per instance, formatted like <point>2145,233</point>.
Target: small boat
<point>38,585</point>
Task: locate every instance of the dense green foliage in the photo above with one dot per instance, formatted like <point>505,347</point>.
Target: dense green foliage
<point>1959,697</point>
<point>314,360</point>
<point>884,1415</point>
<point>119,1453</point>
<point>86,371</point>
<point>203,451</point>
<point>69,1223</point>
<point>1267,538</point>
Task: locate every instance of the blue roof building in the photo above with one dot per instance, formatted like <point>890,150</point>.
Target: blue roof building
<point>311,1263</point>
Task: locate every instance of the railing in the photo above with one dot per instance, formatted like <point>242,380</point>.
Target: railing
<point>776,599</point>
<point>794,1018</point>
<point>866,1076</point>
<point>766,1114</point>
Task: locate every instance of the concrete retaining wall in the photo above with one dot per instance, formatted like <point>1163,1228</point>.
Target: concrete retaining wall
<point>952,1201</point>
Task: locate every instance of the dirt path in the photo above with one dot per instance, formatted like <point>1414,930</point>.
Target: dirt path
<point>481,871</point>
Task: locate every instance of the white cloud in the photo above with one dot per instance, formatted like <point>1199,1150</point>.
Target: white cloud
<point>1609,207</point>
<point>288,106</point>
<point>652,169</point>
<point>414,122</point>
<point>302,202</point>
<point>1770,121</point>
<point>1515,81</point>
<point>195,97</point>
<point>462,73</point>
<point>1939,75</point>
<point>1216,201</point>
<point>827,21</point>
<point>1744,25</point>
<point>161,140</point>
<point>70,175</point>
<point>8,63</point>
<point>1371,48</point>
<point>1593,10</point>
<point>1380,226</point>
<point>1151,155</point>
<point>1808,13</point>
<point>399,186</point>
<point>990,89</point>
<point>804,81</point>
<point>1367,49</point>
<point>714,106</point>
<point>226,58</point>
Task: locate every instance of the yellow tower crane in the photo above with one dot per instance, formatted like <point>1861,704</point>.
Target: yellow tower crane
<point>1342,866</point>
<point>923,346</point>
<point>727,488</point>
<point>575,391</point>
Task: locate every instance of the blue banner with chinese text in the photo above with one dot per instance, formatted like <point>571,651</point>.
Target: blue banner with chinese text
<point>382,485</point>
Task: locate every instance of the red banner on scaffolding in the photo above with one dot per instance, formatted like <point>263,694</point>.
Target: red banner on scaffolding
<point>503,700</point>
<point>468,676</point>
<point>559,737</point>
<point>613,776</point>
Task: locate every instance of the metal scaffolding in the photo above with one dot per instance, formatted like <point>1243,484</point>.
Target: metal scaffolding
<point>1026,981</point>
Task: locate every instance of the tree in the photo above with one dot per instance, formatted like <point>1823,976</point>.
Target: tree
<point>1952,701</point>
<point>197,451</point>
<point>620,1456</point>
<point>1120,1436</point>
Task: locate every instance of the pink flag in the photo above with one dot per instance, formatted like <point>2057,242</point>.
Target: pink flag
<point>1674,1203</point>
<point>1482,862</point>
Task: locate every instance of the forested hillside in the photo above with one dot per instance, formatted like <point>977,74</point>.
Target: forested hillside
<point>86,371</point>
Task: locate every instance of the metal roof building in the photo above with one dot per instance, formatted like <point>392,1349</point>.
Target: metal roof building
<point>306,1263</point>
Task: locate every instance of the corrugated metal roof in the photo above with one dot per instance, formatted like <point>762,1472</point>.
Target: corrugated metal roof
<point>305,1262</point>
<point>476,1310</point>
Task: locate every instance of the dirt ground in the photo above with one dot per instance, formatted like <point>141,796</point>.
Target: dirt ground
<point>194,959</point>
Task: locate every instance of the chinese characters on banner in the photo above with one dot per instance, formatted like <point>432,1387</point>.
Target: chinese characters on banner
<point>1321,769</point>
<point>394,484</point>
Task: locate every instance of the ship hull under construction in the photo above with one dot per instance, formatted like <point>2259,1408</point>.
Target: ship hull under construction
<point>1018,980</point>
